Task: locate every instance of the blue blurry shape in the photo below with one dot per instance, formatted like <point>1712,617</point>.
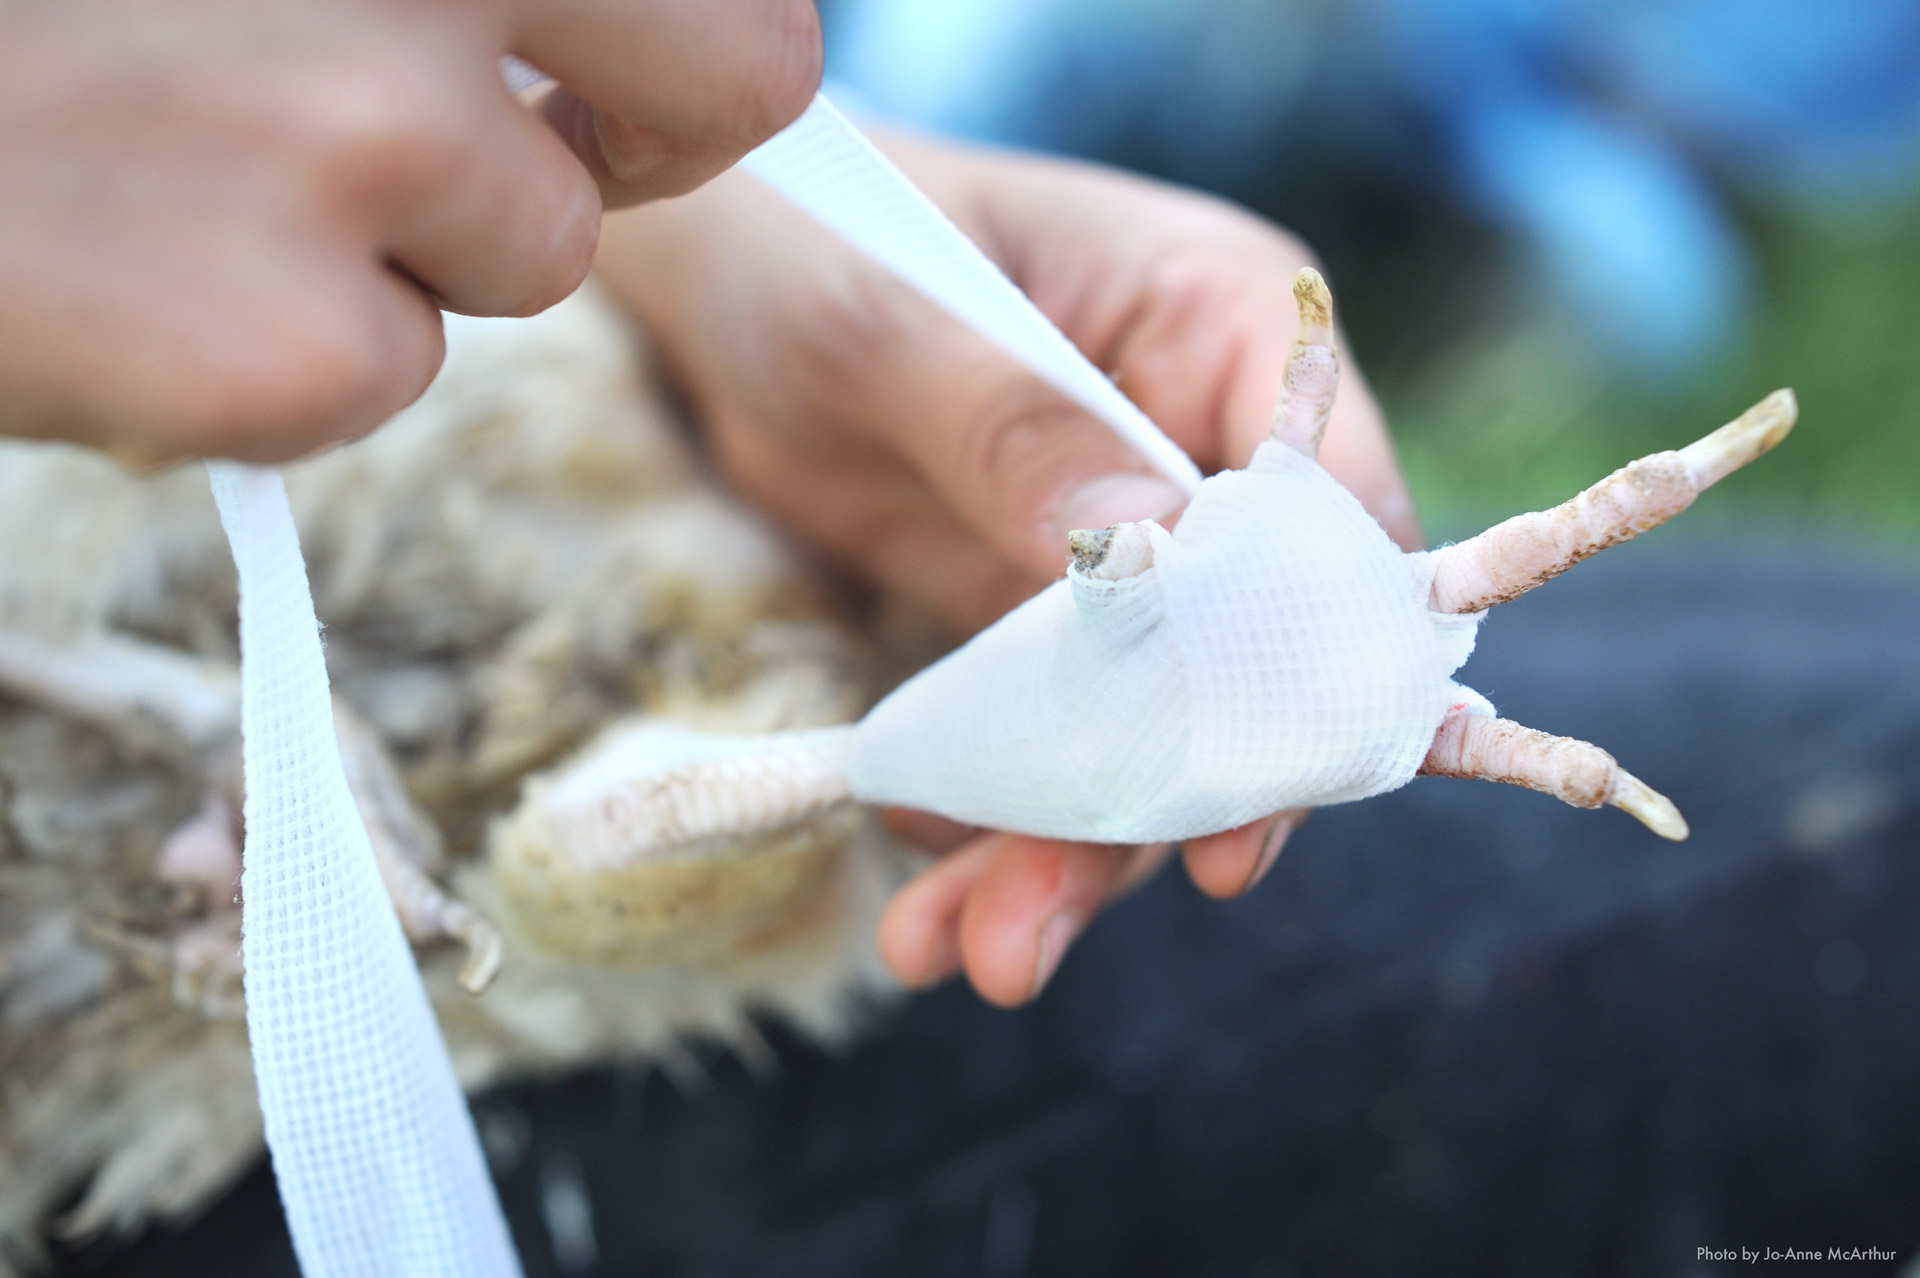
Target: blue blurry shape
<point>1627,235</point>
<point>1200,84</point>
<point>1815,101</point>
<point>1597,131</point>
<point>960,67</point>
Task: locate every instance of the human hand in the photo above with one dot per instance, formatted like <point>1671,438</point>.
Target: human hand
<point>901,443</point>
<point>229,224</point>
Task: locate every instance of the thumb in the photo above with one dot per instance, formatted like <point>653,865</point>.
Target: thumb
<point>1011,458</point>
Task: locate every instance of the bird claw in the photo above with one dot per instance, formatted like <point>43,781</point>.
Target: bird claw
<point>1312,375</point>
<point>1112,554</point>
<point>1513,557</point>
<point>1500,564</point>
<point>1483,748</point>
<point>1647,806</point>
<point>1749,436</point>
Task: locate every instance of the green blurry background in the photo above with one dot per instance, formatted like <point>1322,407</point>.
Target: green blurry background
<point>1561,233</point>
<point>1515,412</point>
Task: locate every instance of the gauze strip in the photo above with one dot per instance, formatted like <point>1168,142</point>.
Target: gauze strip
<point>1279,653</point>
<point>827,167</point>
<point>374,1150</point>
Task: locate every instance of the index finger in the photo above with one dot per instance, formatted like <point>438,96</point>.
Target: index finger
<point>657,96</point>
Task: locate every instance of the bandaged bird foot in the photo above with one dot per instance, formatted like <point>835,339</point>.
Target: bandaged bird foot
<point>157,701</point>
<point>1275,651</point>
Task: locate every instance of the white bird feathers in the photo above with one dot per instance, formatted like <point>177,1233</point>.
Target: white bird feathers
<point>513,564</point>
<point>522,568</point>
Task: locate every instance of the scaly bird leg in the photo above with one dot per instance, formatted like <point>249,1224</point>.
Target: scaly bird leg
<point>157,701</point>
<point>1487,749</point>
<point>406,846</point>
<point>1307,389</point>
<point>1512,558</point>
<point>1501,564</point>
<point>150,699</point>
<point>1312,375</point>
<point>652,788</point>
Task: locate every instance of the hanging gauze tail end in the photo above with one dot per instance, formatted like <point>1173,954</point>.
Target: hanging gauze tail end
<point>378,1165</point>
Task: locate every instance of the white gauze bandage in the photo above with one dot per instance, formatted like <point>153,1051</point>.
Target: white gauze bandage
<point>376,1157</point>
<point>1279,652</point>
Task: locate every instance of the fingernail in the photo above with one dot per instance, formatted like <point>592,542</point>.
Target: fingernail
<point>1116,499</point>
<point>1055,937</point>
<point>1269,851</point>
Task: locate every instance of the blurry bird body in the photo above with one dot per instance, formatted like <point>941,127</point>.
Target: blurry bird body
<point>525,557</point>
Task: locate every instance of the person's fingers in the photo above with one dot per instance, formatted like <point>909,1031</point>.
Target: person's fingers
<point>247,372</point>
<point>1029,904</point>
<point>660,95</point>
<point>896,437</point>
<point>1243,328</point>
<point>505,225</point>
<point>927,830</point>
<point>1226,864</point>
<point>1004,906</point>
<point>871,513</point>
<point>355,364</point>
<point>1199,322</point>
<point>797,397</point>
<point>1141,864</point>
<point>1359,453</point>
<point>1013,460</point>
<point>919,933</point>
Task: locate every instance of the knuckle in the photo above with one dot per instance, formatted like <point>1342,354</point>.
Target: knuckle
<point>1013,432</point>
<point>379,122</point>
<point>755,94</point>
<point>295,382</point>
<point>1187,288</point>
<point>1023,440</point>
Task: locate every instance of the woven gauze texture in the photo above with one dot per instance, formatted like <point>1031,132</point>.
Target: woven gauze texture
<point>1279,653</point>
<point>825,166</point>
<point>373,1148</point>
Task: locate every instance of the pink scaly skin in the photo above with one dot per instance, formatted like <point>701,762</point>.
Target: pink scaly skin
<point>636,819</point>
<point>1513,557</point>
<point>1501,564</point>
<point>152,698</point>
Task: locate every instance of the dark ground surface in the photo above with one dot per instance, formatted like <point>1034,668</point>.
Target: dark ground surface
<point>1459,1030</point>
